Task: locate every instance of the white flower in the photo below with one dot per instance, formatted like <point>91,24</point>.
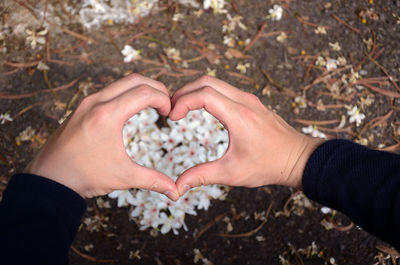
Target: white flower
<point>211,72</point>
<point>176,17</point>
<point>320,30</point>
<point>168,223</point>
<point>124,197</point>
<point>313,131</point>
<point>320,61</point>
<point>173,54</point>
<point>331,64</point>
<point>130,54</point>
<point>282,37</point>
<point>242,67</point>
<point>355,115</point>
<point>36,38</point>
<point>42,66</point>
<point>5,117</point>
<point>335,46</point>
<point>326,210</point>
<point>229,40</point>
<point>231,23</point>
<point>216,5</point>
<point>275,13</point>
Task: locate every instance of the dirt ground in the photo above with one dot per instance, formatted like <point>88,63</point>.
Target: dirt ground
<point>285,73</point>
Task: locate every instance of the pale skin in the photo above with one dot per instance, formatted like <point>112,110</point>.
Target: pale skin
<point>87,153</point>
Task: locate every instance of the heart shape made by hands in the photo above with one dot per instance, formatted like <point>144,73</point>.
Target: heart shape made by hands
<point>172,149</point>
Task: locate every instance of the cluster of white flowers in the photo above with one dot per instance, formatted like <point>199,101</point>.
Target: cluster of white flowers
<point>330,63</point>
<point>229,27</point>
<point>216,5</point>
<point>198,138</point>
<point>313,131</point>
<point>95,13</point>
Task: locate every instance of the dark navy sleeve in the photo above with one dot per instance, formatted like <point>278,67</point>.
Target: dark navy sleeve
<point>362,183</point>
<point>38,221</point>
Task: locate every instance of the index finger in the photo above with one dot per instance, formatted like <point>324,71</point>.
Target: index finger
<point>217,104</point>
<point>222,87</point>
<point>131,81</point>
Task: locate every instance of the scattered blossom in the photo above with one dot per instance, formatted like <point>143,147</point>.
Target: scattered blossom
<point>242,67</point>
<point>313,131</point>
<point>275,13</point>
<point>198,138</point>
<point>211,72</point>
<point>26,135</point>
<point>176,17</point>
<point>331,64</point>
<point>35,38</point>
<point>231,23</point>
<point>124,197</point>
<point>320,30</point>
<point>130,54</point>
<point>216,5</point>
<point>5,117</point>
<point>335,46</point>
<point>326,210</point>
<point>173,54</point>
<point>282,37</point>
<point>42,66</point>
<point>230,40</point>
<point>355,115</point>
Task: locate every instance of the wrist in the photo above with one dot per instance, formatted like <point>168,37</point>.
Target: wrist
<point>307,147</point>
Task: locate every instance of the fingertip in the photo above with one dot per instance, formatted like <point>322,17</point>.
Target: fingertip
<point>182,189</point>
<point>172,195</point>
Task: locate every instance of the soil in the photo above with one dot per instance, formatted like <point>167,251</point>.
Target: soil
<point>368,33</point>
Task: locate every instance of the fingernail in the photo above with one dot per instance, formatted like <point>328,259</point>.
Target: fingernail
<point>184,189</point>
<point>171,195</point>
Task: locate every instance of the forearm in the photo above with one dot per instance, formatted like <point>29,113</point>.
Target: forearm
<point>362,183</point>
<point>39,216</point>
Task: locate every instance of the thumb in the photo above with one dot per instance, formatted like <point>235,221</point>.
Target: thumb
<point>203,174</point>
<point>150,179</point>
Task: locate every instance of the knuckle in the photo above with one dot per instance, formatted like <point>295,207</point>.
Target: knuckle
<point>133,76</point>
<point>201,180</point>
<point>153,185</point>
<point>87,101</point>
<point>205,79</point>
<point>99,115</point>
<point>208,90</point>
<point>144,91</point>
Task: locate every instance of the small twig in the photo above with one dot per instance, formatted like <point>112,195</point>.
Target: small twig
<point>94,259</point>
<point>256,37</point>
<point>309,122</point>
<point>27,95</point>
<point>28,8</point>
<point>209,225</point>
<point>375,122</point>
<point>387,250</point>
<point>235,7</point>
<point>22,65</point>
<point>78,36</point>
<point>388,93</point>
<point>252,232</point>
<point>303,21</point>
<point>249,79</point>
<point>346,24</point>
<point>391,148</point>
<point>25,110</point>
<point>288,92</point>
